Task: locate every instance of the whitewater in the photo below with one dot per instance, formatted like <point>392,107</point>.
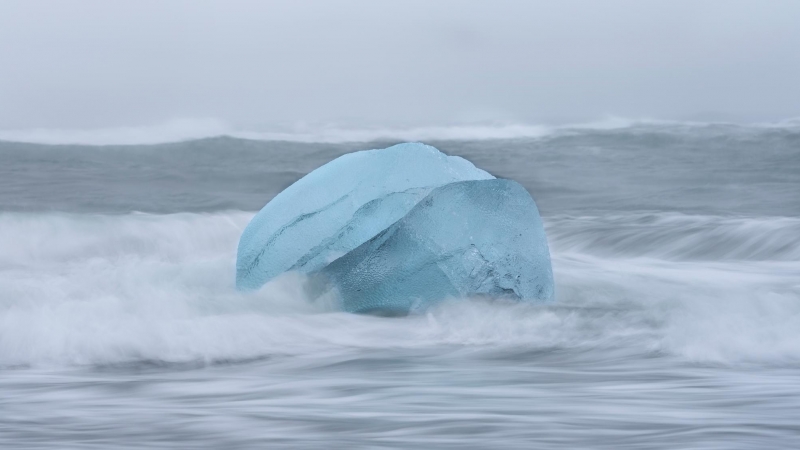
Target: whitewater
<point>676,257</point>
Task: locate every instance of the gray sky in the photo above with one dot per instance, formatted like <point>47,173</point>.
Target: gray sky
<point>261,64</point>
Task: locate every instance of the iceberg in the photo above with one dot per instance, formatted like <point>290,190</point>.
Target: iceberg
<point>463,239</point>
<point>395,230</point>
<point>341,205</point>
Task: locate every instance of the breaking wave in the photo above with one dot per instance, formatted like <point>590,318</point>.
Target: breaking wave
<point>95,289</point>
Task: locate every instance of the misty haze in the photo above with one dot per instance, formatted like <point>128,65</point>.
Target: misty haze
<point>400,224</point>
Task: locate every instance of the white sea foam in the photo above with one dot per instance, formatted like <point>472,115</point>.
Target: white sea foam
<point>93,289</point>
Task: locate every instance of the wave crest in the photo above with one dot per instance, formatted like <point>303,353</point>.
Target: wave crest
<point>191,129</point>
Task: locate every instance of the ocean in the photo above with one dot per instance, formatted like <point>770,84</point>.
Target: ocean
<point>676,255</point>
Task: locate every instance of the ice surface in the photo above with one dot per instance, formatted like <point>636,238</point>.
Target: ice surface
<point>465,238</point>
<point>341,205</point>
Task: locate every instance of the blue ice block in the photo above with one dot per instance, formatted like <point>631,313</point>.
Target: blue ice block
<point>466,238</point>
<point>341,205</point>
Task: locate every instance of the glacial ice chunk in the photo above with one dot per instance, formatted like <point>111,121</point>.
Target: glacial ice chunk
<point>341,205</point>
<point>464,238</point>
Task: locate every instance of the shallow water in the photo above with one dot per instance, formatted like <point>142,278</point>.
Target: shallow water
<point>676,253</point>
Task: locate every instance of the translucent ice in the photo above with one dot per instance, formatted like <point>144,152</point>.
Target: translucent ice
<point>341,205</point>
<point>464,238</point>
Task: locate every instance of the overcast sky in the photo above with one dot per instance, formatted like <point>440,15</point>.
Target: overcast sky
<point>260,64</point>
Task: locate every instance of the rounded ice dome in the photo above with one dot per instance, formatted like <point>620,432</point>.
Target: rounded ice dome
<point>341,205</point>
<point>397,229</point>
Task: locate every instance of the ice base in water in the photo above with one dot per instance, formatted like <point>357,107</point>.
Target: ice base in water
<point>396,229</point>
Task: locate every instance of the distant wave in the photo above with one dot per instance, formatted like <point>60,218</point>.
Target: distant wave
<point>172,131</point>
<point>192,129</point>
<point>678,237</point>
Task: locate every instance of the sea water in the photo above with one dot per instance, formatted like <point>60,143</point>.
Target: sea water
<point>676,256</point>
